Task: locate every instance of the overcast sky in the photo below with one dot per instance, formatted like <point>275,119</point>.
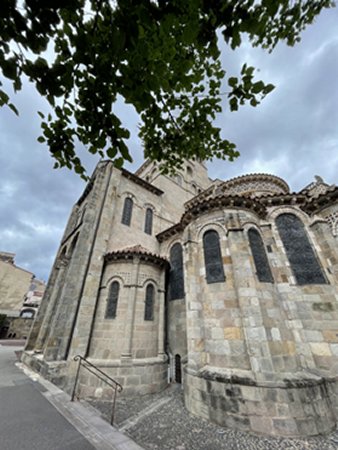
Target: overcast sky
<point>292,134</point>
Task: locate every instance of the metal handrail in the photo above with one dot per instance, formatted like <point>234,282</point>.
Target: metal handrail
<point>117,387</point>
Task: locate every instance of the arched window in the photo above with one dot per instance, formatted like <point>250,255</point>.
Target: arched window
<point>149,303</point>
<point>259,255</point>
<point>28,313</point>
<point>73,244</point>
<point>113,297</point>
<point>127,211</point>
<point>213,257</point>
<point>176,276</point>
<point>178,179</point>
<point>148,224</point>
<point>302,258</point>
<point>178,369</point>
<point>189,171</point>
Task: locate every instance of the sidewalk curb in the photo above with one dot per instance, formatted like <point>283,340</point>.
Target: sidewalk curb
<point>83,417</point>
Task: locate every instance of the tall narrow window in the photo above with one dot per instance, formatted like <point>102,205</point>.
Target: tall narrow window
<point>73,244</point>
<point>127,211</point>
<point>176,275</point>
<point>259,255</point>
<point>178,179</point>
<point>149,303</point>
<point>302,258</point>
<point>178,369</point>
<point>213,257</point>
<point>148,224</point>
<point>113,297</point>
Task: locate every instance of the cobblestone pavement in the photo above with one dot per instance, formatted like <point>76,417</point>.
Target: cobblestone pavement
<point>160,422</point>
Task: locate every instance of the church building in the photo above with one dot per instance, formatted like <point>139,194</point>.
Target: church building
<point>227,287</point>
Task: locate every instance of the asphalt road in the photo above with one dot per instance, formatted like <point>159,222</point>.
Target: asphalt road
<point>27,420</point>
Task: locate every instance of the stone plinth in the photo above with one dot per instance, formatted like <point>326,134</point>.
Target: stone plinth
<point>289,407</point>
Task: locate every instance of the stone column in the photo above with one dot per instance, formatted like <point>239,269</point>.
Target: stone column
<point>161,300</point>
<point>252,319</point>
<point>194,306</point>
<point>129,328</point>
<point>327,246</point>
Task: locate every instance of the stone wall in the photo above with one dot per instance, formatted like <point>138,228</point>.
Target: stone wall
<point>128,333</point>
<point>18,327</point>
<point>268,333</point>
<point>137,376</point>
<point>299,407</point>
<point>14,284</point>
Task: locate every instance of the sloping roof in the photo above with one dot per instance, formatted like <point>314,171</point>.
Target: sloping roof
<point>141,182</point>
<point>258,205</point>
<point>129,253</point>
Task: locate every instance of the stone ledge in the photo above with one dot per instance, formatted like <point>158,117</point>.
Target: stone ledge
<point>279,408</point>
<point>128,361</point>
<point>246,378</point>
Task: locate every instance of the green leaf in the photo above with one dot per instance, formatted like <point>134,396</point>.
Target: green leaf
<point>111,152</point>
<point>232,81</point>
<point>269,88</point>
<point>13,108</point>
<point>258,87</point>
<point>118,162</point>
<point>233,104</point>
<point>9,68</point>
<point>3,98</point>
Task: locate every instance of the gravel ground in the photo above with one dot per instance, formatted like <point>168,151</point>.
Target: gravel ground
<point>160,422</point>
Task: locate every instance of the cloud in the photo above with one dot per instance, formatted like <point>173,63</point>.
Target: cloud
<point>292,134</point>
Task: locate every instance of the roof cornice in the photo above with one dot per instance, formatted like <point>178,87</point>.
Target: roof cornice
<point>141,182</point>
<point>135,252</point>
<point>257,205</point>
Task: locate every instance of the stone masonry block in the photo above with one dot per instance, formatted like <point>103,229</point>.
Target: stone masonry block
<point>256,334</point>
<point>313,336</point>
<point>217,333</point>
<point>261,424</point>
<point>232,333</point>
<point>330,335</point>
<point>321,349</point>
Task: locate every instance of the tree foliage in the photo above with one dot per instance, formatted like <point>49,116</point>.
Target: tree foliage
<point>160,56</point>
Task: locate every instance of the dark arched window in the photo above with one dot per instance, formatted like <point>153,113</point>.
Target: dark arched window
<point>259,255</point>
<point>212,257</point>
<point>127,211</point>
<point>148,224</point>
<point>178,179</point>
<point>302,258</point>
<point>73,244</point>
<point>149,303</point>
<point>176,276</point>
<point>178,369</point>
<point>28,313</point>
<point>113,297</point>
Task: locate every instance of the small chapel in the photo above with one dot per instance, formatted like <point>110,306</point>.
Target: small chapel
<point>229,288</point>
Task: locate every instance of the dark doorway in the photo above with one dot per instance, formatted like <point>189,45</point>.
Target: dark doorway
<point>178,372</point>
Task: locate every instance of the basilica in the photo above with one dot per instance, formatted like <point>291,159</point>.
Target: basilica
<point>227,287</point>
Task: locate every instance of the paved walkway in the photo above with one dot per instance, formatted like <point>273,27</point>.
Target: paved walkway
<point>36,415</point>
<point>160,422</point>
